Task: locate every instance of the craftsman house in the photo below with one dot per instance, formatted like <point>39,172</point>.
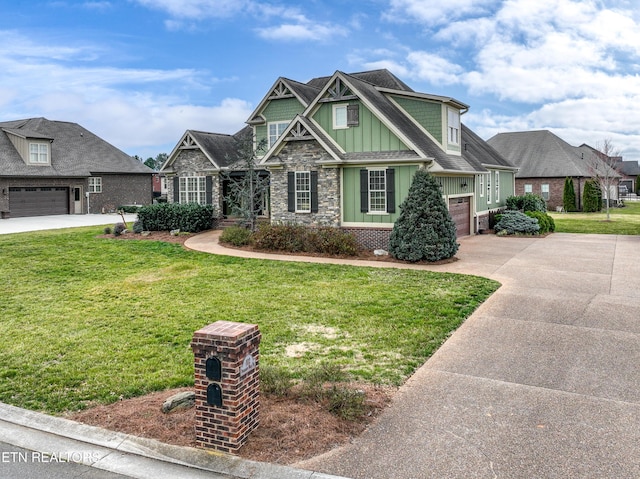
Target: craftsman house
<point>544,161</point>
<point>57,168</point>
<point>341,151</point>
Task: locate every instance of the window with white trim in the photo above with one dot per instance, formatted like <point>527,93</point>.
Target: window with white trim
<point>303,192</point>
<point>453,117</point>
<point>544,188</point>
<point>497,182</point>
<point>95,184</point>
<point>481,187</point>
<point>39,153</point>
<point>489,188</point>
<point>377,191</point>
<point>528,188</point>
<point>339,116</point>
<point>193,189</point>
<point>275,130</point>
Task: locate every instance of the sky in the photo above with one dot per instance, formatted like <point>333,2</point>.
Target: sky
<point>139,73</point>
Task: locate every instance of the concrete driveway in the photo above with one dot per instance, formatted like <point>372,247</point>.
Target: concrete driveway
<point>38,223</point>
<point>542,381</point>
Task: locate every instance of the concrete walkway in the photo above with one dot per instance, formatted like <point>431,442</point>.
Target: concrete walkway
<point>542,381</point>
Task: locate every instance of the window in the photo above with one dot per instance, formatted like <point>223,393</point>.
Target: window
<point>377,191</point>
<point>275,130</point>
<point>95,184</point>
<point>303,191</point>
<point>39,153</point>
<point>497,182</point>
<point>481,187</point>
<point>545,191</point>
<point>339,116</point>
<point>454,126</point>
<point>193,189</point>
<point>528,189</point>
<point>489,188</point>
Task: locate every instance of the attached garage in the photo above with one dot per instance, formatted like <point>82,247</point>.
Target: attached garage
<point>460,210</point>
<point>38,201</point>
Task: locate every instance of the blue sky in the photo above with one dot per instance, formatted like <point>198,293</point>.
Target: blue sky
<point>139,73</point>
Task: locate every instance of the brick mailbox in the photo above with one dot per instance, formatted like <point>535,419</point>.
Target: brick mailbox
<point>226,384</point>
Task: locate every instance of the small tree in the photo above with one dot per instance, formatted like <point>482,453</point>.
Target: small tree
<point>603,166</point>
<point>569,195</point>
<point>246,195</point>
<point>424,230</point>
<point>591,197</point>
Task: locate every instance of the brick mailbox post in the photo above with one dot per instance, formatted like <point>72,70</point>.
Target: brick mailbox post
<point>226,384</point>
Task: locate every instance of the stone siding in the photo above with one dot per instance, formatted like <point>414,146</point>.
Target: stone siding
<point>304,156</point>
<point>194,162</point>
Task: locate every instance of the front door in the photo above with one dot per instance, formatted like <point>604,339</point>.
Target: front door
<point>77,200</point>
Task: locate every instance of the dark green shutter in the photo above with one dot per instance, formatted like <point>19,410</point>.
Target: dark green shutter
<point>314,191</point>
<point>176,189</point>
<point>291,192</point>
<point>364,191</point>
<point>391,190</point>
<point>209,190</point>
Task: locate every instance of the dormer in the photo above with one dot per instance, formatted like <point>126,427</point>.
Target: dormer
<point>34,148</point>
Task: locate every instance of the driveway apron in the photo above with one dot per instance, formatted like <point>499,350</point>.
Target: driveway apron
<point>542,381</point>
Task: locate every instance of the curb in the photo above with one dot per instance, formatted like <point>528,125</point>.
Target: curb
<point>131,455</point>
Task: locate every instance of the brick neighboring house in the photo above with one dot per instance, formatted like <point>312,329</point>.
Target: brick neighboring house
<point>545,161</point>
<point>56,168</point>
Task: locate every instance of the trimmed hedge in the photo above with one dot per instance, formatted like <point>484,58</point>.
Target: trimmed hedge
<point>188,217</point>
<point>304,239</point>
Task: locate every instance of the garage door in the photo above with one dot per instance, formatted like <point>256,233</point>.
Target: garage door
<point>460,210</point>
<point>38,201</point>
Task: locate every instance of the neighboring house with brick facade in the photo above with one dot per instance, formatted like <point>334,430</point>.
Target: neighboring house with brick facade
<point>57,168</point>
<point>341,151</point>
<point>544,161</point>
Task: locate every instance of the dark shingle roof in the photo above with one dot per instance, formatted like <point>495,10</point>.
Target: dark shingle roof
<point>75,151</point>
<point>381,78</point>
<point>221,148</point>
<point>541,154</point>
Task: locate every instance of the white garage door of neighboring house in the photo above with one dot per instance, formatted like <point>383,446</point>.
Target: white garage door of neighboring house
<point>460,210</point>
<point>38,201</point>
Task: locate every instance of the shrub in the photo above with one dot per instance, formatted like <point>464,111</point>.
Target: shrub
<point>424,230</point>
<point>137,227</point>
<point>514,222</point>
<point>295,238</point>
<point>107,230</point>
<point>275,381</point>
<point>119,228</point>
<point>569,195</point>
<point>188,217</point>
<point>547,225</point>
<point>526,202</point>
<point>591,197</point>
<point>236,236</point>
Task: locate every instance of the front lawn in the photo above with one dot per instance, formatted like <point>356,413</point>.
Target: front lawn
<point>623,221</point>
<point>89,320</point>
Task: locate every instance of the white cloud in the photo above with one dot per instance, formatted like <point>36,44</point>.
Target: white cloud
<point>305,30</point>
<point>435,12</point>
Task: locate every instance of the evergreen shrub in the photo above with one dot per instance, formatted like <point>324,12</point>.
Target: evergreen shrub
<point>591,197</point>
<point>515,222</point>
<point>569,195</point>
<point>236,236</point>
<point>526,202</point>
<point>188,217</point>
<point>424,229</point>
<point>547,225</point>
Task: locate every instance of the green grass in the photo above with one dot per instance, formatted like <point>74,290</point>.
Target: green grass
<point>623,221</point>
<point>88,320</point>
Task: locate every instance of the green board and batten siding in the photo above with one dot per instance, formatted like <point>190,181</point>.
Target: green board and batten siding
<point>351,190</point>
<point>284,109</point>
<point>427,114</point>
<point>370,134</point>
<point>506,190</point>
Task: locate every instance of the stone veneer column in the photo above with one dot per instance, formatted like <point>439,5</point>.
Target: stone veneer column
<point>227,397</point>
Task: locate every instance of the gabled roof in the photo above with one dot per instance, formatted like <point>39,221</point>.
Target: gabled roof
<point>284,87</point>
<point>629,168</point>
<point>75,151</point>
<point>541,154</point>
<point>381,78</point>
<point>219,148</point>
